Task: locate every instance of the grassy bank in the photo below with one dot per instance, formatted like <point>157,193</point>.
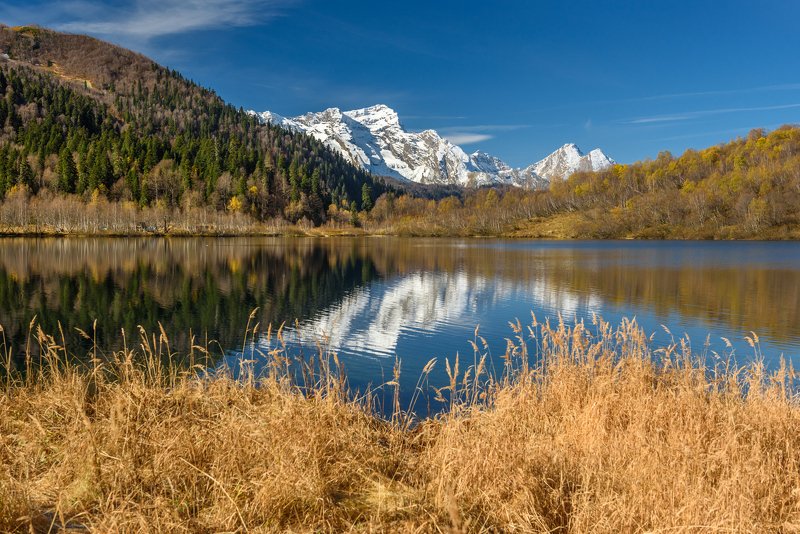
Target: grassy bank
<point>603,435</point>
<point>557,227</point>
<point>481,213</point>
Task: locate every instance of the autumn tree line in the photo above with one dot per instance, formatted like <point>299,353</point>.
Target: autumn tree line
<point>748,188</point>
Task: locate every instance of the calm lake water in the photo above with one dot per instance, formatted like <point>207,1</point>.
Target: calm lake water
<point>374,299</point>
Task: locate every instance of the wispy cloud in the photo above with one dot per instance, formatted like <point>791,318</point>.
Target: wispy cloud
<point>714,133</point>
<point>659,118</point>
<point>468,135</point>
<point>696,135</point>
<point>144,20</point>
<point>689,115</point>
<point>466,138</point>
<point>721,92</point>
<point>433,117</point>
<point>486,128</point>
<point>471,134</point>
<point>689,95</point>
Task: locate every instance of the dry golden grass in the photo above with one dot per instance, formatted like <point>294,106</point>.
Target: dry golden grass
<point>559,226</point>
<point>601,435</point>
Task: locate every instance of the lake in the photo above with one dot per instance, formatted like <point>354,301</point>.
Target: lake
<point>375,299</point>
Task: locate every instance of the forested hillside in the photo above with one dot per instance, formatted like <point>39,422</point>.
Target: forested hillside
<point>85,120</point>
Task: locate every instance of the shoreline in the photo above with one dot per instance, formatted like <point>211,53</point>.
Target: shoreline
<point>355,232</point>
<point>779,234</point>
<point>567,227</point>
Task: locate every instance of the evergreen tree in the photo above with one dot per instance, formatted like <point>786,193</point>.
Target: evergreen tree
<point>67,172</point>
<point>366,197</point>
<point>294,180</point>
<point>25,174</point>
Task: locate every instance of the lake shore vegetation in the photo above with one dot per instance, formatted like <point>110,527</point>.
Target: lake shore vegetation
<point>587,428</point>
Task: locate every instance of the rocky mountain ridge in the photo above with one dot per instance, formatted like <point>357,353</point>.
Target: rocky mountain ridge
<point>374,139</point>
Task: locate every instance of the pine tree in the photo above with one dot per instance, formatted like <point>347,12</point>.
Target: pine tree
<point>294,180</point>
<point>366,197</point>
<point>67,172</point>
<point>25,174</point>
<point>315,182</point>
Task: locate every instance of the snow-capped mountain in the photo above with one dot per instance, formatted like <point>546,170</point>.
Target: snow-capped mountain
<point>569,159</point>
<point>374,139</point>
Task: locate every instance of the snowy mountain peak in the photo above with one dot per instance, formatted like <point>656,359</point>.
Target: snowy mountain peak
<point>600,160</point>
<point>569,159</point>
<point>378,116</point>
<point>569,152</point>
<point>329,115</point>
<point>377,109</point>
<point>270,117</point>
<point>488,163</point>
<point>374,139</point>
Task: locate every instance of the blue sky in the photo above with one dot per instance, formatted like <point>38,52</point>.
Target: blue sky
<point>516,79</point>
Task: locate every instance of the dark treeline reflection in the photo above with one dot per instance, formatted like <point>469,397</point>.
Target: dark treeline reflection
<point>210,286</point>
<point>206,286</point>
